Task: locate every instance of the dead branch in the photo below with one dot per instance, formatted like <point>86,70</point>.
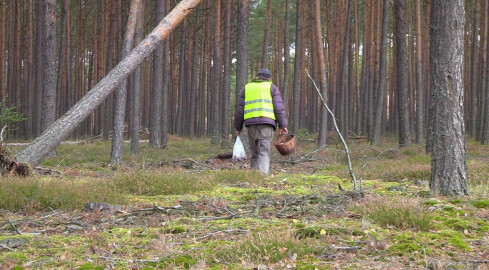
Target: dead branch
<point>212,234</point>
<point>13,227</point>
<point>201,164</point>
<point>355,186</point>
<point>7,248</point>
<point>220,218</point>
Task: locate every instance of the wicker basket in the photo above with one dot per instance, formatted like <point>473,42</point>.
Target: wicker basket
<point>285,144</point>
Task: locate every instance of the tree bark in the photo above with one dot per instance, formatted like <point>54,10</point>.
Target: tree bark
<point>135,117</point>
<point>47,142</point>
<point>266,34</point>
<point>121,92</point>
<point>3,42</point>
<point>227,76</point>
<point>377,128</point>
<point>194,82</point>
<point>285,84</point>
<point>448,165</point>
<point>419,78</point>
<point>217,75</point>
<point>156,100</point>
<point>473,72</point>
<point>402,73</point>
<point>296,90</point>
<point>322,72</point>
<point>49,60</point>
<point>166,77</point>
<point>242,56</point>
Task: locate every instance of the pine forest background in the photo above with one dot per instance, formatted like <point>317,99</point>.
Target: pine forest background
<point>198,95</point>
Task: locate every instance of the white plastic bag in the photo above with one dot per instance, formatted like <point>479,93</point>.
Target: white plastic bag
<point>239,152</point>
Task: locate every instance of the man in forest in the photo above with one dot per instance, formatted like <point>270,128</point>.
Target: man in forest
<point>260,107</point>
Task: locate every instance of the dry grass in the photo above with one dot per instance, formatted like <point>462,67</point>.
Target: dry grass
<point>402,213</point>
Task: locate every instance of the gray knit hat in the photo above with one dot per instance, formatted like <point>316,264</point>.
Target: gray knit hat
<point>264,73</point>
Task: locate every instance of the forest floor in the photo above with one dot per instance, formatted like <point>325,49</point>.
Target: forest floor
<point>182,208</point>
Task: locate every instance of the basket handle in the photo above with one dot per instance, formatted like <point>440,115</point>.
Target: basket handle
<point>281,135</point>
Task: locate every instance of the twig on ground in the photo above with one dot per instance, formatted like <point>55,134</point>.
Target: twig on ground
<point>209,235</point>
<point>7,248</point>
<point>220,218</point>
<point>201,164</point>
<point>158,209</point>
<point>13,227</point>
<point>283,208</point>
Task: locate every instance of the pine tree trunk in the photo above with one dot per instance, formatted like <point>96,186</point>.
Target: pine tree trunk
<point>227,76</point>
<point>296,90</point>
<point>402,73</point>
<point>181,79</point>
<point>135,116</point>
<point>3,56</point>
<point>121,92</point>
<point>194,82</point>
<point>242,56</point>
<point>47,142</point>
<point>322,71</point>
<point>166,77</point>
<point>380,104</point>
<point>156,99</point>
<point>217,75</point>
<point>419,78</point>
<point>285,84</point>
<point>29,66</point>
<point>49,52</point>
<point>448,165</point>
<point>473,72</point>
<point>266,34</point>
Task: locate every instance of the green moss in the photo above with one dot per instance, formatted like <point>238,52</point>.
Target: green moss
<point>400,249</point>
<point>455,201</point>
<point>90,266</point>
<point>480,203</point>
<point>431,202</point>
<point>309,232</point>
<point>457,242</point>
<point>175,230</point>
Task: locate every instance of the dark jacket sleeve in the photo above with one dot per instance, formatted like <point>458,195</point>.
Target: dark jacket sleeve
<point>239,115</point>
<point>278,106</point>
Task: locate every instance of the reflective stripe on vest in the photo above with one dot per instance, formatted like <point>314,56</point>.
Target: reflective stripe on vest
<point>258,100</point>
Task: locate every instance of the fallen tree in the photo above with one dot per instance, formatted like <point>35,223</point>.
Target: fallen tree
<point>36,151</point>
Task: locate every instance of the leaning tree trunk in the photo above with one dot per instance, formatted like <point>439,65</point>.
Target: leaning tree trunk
<point>448,166</point>
<point>121,93</point>
<point>59,130</point>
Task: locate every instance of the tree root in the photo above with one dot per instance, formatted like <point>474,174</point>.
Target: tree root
<point>10,166</point>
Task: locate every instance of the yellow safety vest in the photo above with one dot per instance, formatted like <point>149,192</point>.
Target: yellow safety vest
<point>258,100</point>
